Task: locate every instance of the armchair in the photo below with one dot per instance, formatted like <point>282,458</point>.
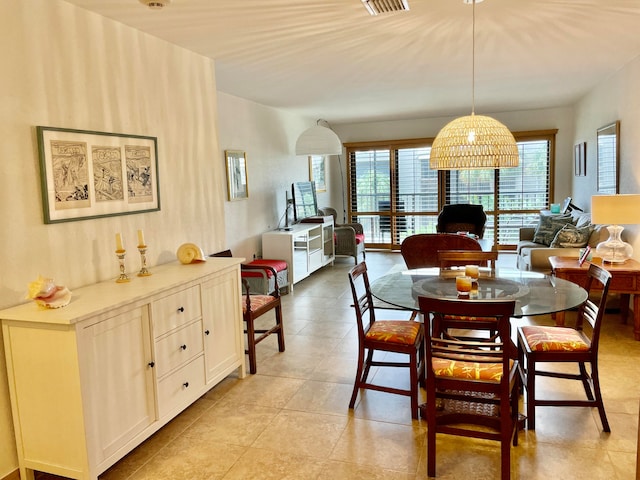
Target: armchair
<point>348,237</point>
<point>462,217</point>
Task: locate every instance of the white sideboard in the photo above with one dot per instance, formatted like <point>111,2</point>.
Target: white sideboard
<point>306,248</point>
<point>91,381</point>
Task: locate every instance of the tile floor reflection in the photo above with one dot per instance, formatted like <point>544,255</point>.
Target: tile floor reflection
<point>291,420</point>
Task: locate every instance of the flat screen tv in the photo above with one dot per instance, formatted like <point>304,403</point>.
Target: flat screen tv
<point>305,202</point>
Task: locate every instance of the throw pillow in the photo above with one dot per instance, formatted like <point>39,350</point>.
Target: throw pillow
<point>549,226</point>
<point>571,236</point>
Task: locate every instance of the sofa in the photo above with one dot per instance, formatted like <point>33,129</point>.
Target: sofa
<point>537,244</point>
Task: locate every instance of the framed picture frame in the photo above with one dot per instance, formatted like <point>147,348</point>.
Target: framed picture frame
<point>580,159</point>
<point>318,172</point>
<point>237,184</point>
<point>86,174</point>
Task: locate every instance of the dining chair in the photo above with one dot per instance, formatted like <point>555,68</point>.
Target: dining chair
<point>456,258</point>
<point>472,386</point>
<point>256,305</point>
<point>421,250</point>
<point>394,336</point>
<point>542,344</point>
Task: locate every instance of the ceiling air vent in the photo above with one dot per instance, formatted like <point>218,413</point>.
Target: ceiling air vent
<point>376,7</point>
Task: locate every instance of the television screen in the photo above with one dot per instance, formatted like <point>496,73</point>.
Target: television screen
<point>305,203</point>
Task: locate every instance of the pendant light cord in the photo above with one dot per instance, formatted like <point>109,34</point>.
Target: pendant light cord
<point>473,59</point>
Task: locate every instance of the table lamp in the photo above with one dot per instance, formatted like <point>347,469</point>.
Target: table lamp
<point>615,210</point>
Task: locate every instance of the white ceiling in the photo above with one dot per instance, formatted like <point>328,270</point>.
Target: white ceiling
<point>330,59</point>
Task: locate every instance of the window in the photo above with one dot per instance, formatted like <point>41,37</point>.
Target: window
<point>394,193</point>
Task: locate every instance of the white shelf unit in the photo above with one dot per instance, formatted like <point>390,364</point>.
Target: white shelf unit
<point>306,248</point>
<point>91,381</point>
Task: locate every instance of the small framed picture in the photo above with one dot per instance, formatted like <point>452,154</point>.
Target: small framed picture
<point>237,185</point>
<point>580,159</point>
<point>318,172</point>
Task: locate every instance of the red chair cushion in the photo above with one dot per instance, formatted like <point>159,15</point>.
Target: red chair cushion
<point>257,301</point>
<point>554,339</point>
<point>278,265</point>
<point>359,238</point>
<point>402,332</point>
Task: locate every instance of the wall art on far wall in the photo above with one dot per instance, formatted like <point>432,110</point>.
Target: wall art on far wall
<point>237,185</point>
<point>318,172</point>
<point>86,174</point>
<point>580,159</point>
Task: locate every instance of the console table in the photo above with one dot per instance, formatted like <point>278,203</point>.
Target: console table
<point>90,381</point>
<point>305,247</point>
<point>625,280</point>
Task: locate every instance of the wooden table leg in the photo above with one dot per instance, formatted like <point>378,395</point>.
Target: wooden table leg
<point>624,307</point>
<point>636,316</point>
<point>559,316</point>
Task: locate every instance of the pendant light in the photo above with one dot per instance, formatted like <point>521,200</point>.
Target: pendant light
<point>473,141</point>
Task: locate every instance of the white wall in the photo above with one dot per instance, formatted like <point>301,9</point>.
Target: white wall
<point>268,137</point>
<point>615,99</point>
<point>544,119</point>
<point>65,67</point>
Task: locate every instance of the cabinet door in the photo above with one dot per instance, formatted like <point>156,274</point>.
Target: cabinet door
<point>223,329</point>
<point>121,380</point>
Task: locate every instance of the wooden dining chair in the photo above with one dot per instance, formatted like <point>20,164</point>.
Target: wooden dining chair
<point>540,344</point>
<point>396,336</point>
<point>472,386</point>
<point>256,305</point>
<point>456,258</point>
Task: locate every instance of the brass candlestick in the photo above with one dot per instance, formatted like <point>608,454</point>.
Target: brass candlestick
<point>123,278</point>
<point>144,272</point>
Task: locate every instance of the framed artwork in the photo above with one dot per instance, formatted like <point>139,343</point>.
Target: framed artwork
<point>237,186</point>
<point>580,159</point>
<point>608,145</point>
<point>86,174</point>
<point>318,172</point>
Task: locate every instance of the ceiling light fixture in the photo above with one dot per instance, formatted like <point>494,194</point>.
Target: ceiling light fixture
<point>376,7</point>
<point>155,4</point>
<point>473,141</point>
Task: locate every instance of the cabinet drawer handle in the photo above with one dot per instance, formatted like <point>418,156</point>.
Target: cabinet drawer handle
<point>183,347</point>
<point>206,332</point>
<point>185,384</point>
<point>181,309</point>
<point>152,364</point>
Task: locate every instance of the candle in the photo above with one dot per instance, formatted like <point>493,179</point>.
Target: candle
<point>471,271</point>
<point>141,238</point>
<point>119,242</point>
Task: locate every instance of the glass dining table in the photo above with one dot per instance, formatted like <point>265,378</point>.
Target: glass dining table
<point>535,293</point>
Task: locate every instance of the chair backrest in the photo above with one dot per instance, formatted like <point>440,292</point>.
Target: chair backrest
<point>590,311</point>
<point>362,298</point>
<point>497,349</point>
<point>462,217</point>
<point>329,211</point>
<point>421,250</point>
<point>456,258</point>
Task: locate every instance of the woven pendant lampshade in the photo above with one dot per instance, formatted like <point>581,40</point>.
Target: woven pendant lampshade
<point>474,141</point>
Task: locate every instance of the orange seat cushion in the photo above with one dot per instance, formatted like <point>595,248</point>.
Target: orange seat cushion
<point>257,301</point>
<point>489,372</point>
<point>277,265</point>
<point>402,332</point>
<point>554,339</point>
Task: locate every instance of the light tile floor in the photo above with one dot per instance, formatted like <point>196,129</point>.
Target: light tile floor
<point>291,420</point>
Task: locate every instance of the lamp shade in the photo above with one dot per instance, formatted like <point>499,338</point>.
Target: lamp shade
<point>318,140</point>
<point>615,209</point>
<point>474,142</point>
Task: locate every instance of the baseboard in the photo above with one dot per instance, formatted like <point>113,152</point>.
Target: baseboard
<point>15,475</point>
